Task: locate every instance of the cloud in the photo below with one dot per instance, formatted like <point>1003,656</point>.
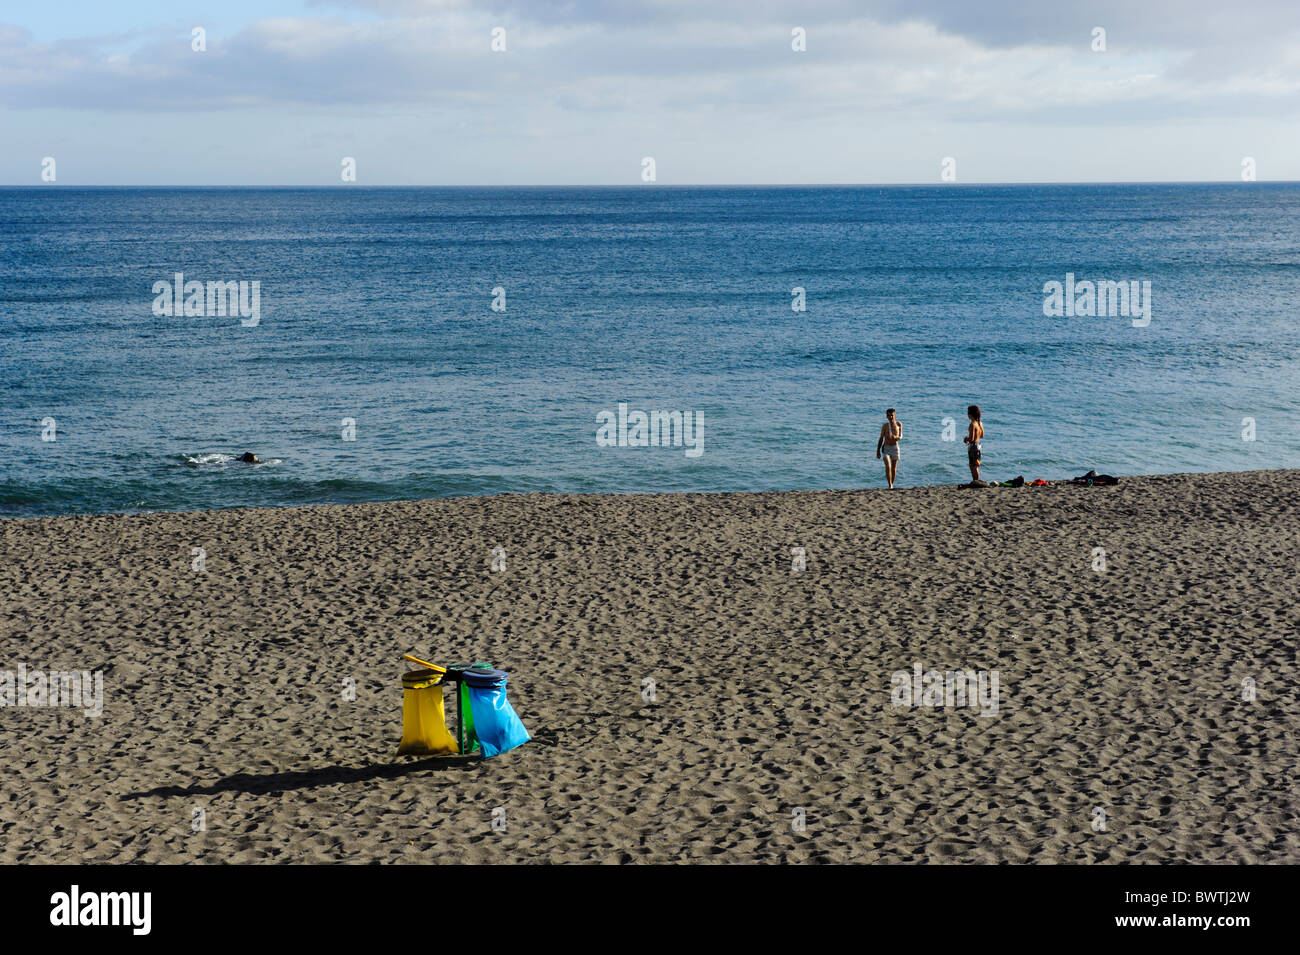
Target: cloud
<point>989,61</point>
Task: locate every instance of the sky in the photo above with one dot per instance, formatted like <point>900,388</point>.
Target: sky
<point>283,91</point>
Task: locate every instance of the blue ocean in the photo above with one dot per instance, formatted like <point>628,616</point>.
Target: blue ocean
<point>424,342</point>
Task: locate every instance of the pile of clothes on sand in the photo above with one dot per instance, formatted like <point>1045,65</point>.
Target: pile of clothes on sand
<point>1091,479</point>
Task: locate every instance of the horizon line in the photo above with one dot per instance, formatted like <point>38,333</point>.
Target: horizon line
<point>654,185</point>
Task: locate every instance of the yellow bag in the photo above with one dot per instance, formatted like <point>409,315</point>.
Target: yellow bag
<point>424,721</point>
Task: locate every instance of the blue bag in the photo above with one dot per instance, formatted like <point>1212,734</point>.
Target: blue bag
<point>496,724</point>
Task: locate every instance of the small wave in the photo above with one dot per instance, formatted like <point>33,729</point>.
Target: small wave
<point>219,461</point>
<point>208,460</point>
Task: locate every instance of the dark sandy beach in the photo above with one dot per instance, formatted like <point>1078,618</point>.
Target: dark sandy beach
<point>1146,712</point>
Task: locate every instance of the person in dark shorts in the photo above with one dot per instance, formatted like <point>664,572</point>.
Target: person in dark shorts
<point>974,435</point>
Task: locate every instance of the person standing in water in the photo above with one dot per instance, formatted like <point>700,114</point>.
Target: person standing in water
<point>887,445</point>
<point>974,435</point>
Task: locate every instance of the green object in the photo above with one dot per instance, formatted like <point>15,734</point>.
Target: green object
<point>466,740</point>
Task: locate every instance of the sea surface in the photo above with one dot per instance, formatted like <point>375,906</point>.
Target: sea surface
<point>376,307</point>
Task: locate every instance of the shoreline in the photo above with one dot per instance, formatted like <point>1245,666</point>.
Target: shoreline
<point>525,495</point>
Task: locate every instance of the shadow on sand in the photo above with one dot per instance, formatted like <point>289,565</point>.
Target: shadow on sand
<point>274,783</point>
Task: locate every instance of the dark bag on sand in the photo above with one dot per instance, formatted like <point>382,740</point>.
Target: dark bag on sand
<point>1092,479</point>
